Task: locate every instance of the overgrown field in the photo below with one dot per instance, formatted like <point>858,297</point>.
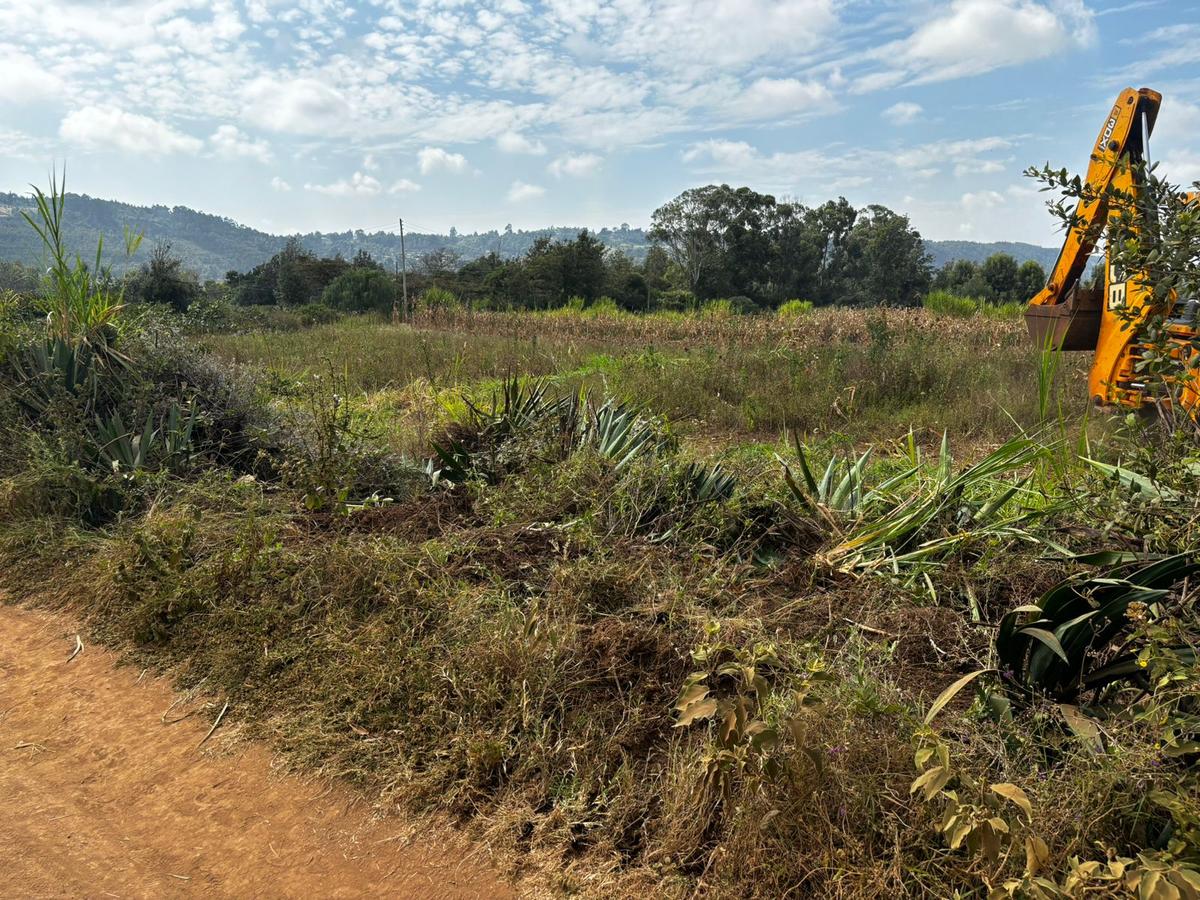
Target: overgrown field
<point>860,374</point>
<point>657,604</point>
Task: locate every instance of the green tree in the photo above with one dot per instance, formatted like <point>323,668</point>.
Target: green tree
<point>164,280</point>
<point>361,290</point>
<point>686,228</point>
<point>1031,278</point>
<point>886,261</point>
<point>720,237</point>
<point>1000,271</point>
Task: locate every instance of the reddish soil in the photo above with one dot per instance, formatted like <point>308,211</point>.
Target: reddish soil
<point>98,797</point>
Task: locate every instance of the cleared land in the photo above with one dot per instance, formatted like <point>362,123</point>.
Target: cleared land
<point>105,792</point>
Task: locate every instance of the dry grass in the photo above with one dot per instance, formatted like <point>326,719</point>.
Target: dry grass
<point>856,374</point>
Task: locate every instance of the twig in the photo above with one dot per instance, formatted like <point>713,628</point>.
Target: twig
<point>215,723</point>
<point>872,630</point>
<point>78,648</point>
<point>167,721</point>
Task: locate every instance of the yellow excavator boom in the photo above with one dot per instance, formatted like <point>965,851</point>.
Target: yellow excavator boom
<point>1068,316</point>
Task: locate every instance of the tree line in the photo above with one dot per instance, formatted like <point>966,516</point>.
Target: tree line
<point>712,242</point>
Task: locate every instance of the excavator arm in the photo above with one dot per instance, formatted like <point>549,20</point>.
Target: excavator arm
<point>1063,314</point>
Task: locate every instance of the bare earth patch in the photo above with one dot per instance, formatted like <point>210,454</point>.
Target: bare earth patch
<point>101,794</point>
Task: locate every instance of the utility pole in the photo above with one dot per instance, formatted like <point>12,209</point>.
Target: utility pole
<point>404,273</point>
<point>395,300</point>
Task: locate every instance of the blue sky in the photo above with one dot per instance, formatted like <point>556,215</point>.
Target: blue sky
<point>327,114</point>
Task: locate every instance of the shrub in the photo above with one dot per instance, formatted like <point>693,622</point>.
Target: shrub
<point>317,314</point>
<point>793,308</point>
<point>675,301</point>
<point>360,290</point>
<point>947,304</point>
<point>1002,310</point>
<point>604,306</point>
<point>717,309</point>
<point>436,298</point>
<point>743,305</point>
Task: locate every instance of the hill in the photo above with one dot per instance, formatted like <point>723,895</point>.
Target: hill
<point>975,251</point>
<point>213,245</point>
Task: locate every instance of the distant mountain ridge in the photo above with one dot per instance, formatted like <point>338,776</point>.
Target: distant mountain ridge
<point>976,251</point>
<point>213,245</point>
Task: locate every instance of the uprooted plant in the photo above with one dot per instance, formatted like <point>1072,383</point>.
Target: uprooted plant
<point>922,513</point>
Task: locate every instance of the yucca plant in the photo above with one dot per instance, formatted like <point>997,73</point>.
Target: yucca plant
<point>1073,641</point>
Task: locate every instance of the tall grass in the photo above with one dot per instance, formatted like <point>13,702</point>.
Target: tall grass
<point>728,379</point>
<point>82,300</point>
<point>945,303</point>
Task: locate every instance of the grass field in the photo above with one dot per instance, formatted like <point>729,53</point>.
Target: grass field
<point>861,375</point>
<point>655,646</point>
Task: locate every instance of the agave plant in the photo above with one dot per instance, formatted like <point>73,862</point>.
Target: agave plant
<point>470,449</point>
<point>919,514</point>
<point>483,444</point>
<point>618,431</point>
<point>702,484</point>
<point>939,514</point>
<point>839,489</point>
<point>1073,641</point>
<point>124,451</point>
<point>47,368</point>
<point>120,449</point>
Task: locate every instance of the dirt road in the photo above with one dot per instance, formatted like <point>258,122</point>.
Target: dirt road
<point>100,798</point>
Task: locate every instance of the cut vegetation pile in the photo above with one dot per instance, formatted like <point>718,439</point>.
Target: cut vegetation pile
<point>766,670</point>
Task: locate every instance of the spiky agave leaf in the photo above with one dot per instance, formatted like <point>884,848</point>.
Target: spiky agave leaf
<point>911,525</point>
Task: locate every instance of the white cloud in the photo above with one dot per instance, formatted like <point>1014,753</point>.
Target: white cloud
<point>23,80</point>
<point>575,165</point>
<point>978,167</point>
<point>903,113</point>
<point>296,105</point>
<point>230,143</point>
<point>357,184</point>
<point>435,159</point>
<point>771,97</point>
<point>109,128</point>
<point>278,184</point>
<point>775,171</point>
<point>978,200</point>
<point>515,142</point>
<point>370,163</point>
<point>403,186</point>
<point>520,191</point>
<point>977,36</point>
<point>695,34</point>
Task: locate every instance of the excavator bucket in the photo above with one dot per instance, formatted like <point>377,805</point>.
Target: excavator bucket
<point>1073,324</point>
